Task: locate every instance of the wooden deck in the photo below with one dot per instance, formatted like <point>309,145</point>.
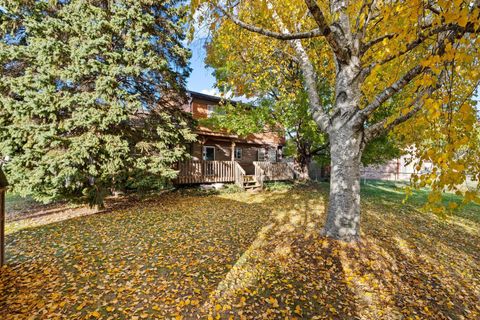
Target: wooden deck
<point>194,172</point>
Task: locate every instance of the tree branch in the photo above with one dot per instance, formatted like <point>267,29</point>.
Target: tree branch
<point>320,117</point>
<point>319,150</point>
<point>373,42</point>
<point>390,91</point>
<point>277,35</point>
<point>341,53</point>
<point>382,126</point>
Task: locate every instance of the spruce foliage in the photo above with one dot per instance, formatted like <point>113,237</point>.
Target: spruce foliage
<point>90,95</point>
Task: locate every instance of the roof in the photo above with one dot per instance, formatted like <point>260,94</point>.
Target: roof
<point>3,180</point>
<point>207,97</point>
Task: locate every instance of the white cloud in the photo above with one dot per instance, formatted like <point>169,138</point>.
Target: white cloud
<point>211,92</point>
<point>229,95</point>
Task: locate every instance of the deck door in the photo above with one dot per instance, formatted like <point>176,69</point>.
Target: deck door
<point>208,155</point>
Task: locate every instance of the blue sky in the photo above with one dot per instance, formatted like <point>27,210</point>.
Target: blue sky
<point>201,79</point>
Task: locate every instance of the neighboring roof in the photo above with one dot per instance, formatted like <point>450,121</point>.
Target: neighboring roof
<point>207,97</point>
<point>3,180</point>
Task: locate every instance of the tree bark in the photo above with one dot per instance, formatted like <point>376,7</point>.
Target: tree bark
<point>343,214</point>
<point>346,135</point>
<point>301,165</point>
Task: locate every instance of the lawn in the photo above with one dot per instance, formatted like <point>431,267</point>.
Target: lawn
<point>244,255</point>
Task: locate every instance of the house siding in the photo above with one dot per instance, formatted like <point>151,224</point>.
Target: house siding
<point>199,109</point>
<point>223,152</point>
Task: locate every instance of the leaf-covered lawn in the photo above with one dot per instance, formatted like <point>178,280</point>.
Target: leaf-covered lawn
<point>246,256</point>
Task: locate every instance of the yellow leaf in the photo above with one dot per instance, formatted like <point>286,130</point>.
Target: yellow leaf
<point>81,306</point>
<point>298,310</point>
<point>218,307</point>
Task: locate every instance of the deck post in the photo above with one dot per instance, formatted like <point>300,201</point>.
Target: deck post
<point>3,188</point>
<point>232,152</point>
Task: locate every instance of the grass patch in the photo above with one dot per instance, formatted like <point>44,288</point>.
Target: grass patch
<point>15,202</point>
<point>250,255</point>
<point>278,185</point>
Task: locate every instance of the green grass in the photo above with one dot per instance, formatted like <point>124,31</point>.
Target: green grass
<point>252,255</point>
<point>390,192</point>
<point>15,202</point>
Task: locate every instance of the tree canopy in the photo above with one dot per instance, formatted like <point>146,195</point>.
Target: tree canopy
<point>90,95</point>
<point>408,67</point>
<point>247,64</point>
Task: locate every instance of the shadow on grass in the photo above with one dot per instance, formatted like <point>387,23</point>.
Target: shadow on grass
<point>242,255</point>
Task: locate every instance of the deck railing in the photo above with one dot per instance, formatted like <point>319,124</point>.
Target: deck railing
<point>239,174</point>
<point>259,173</point>
<point>274,171</point>
<point>195,171</point>
<point>198,171</point>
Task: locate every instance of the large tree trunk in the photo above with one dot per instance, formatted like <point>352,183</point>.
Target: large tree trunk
<point>343,214</point>
<point>301,165</point>
<point>346,146</point>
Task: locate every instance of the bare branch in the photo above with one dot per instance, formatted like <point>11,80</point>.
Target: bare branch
<point>277,35</point>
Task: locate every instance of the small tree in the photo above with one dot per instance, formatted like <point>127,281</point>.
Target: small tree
<point>90,95</point>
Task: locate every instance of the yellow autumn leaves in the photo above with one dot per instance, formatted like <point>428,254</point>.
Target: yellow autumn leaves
<point>154,259</point>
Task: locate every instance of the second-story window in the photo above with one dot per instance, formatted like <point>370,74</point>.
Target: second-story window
<point>238,153</point>
<point>211,110</point>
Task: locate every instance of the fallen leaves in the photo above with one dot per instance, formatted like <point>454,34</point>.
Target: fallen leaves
<point>242,256</point>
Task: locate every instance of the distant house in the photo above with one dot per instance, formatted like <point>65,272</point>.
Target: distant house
<point>398,169</point>
<point>401,168</point>
<point>220,156</point>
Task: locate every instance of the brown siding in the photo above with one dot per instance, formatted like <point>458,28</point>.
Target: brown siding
<point>249,154</point>
<point>223,152</point>
<point>200,111</point>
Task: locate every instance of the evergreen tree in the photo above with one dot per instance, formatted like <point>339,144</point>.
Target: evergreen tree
<point>90,95</point>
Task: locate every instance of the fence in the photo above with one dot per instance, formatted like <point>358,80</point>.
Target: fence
<point>275,171</point>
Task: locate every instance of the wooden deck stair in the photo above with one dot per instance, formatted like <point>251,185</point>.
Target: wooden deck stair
<point>250,182</point>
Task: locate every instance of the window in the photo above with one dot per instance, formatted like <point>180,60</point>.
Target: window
<point>208,153</point>
<point>272,155</point>
<point>261,154</point>
<point>238,153</point>
<point>211,110</point>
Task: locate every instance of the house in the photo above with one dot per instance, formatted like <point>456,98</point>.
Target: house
<point>221,156</point>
